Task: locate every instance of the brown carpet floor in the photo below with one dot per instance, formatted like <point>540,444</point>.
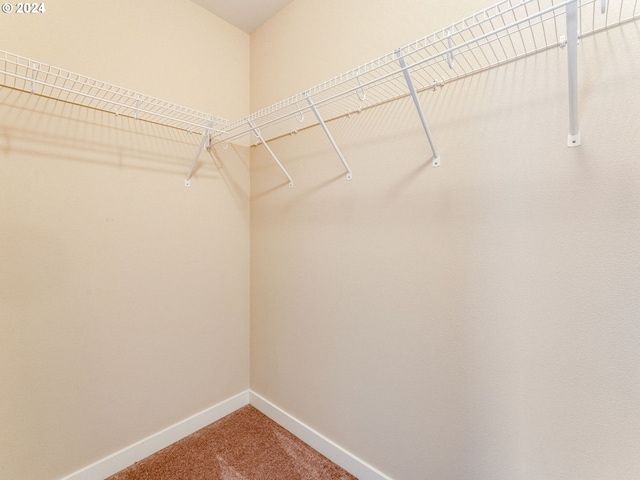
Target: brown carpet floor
<point>245,445</point>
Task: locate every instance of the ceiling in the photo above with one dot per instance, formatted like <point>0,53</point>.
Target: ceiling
<point>247,15</point>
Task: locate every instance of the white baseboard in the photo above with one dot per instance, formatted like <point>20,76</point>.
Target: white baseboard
<point>322,444</point>
<point>156,442</point>
<point>152,444</point>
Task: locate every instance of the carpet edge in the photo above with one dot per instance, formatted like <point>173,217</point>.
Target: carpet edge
<point>328,448</point>
<point>126,457</point>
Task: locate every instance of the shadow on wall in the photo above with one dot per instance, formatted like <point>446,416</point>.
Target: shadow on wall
<point>32,125</point>
<point>452,110</point>
<point>236,155</point>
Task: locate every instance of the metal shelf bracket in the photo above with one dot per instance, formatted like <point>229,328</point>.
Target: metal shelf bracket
<point>450,60</point>
<point>416,101</point>
<point>315,111</point>
<point>573,138</point>
<point>257,133</point>
<point>205,143</point>
<point>33,69</point>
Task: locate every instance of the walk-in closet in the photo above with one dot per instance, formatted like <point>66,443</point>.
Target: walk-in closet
<point>405,231</point>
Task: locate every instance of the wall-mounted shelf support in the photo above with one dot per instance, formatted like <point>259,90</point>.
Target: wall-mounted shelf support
<point>205,143</point>
<point>328,133</point>
<point>257,133</point>
<point>416,101</point>
<point>450,59</point>
<point>573,139</point>
<point>34,67</point>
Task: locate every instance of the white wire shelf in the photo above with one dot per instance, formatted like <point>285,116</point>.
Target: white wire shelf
<point>32,76</point>
<point>509,30</point>
<point>504,32</point>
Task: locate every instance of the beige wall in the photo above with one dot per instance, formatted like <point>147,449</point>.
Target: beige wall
<point>477,320</point>
<point>310,42</point>
<point>172,50</point>
<point>123,294</point>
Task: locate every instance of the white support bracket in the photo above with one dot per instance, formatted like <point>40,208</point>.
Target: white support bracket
<point>328,133</point>
<point>416,101</point>
<point>573,138</point>
<point>450,60</point>
<point>205,142</point>
<point>34,73</point>
<point>136,112</point>
<point>257,133</point>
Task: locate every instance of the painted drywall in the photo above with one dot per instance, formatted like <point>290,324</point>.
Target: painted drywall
<point>477,320</point>
<point>123,294</point>
<point>301,45</point>
<point>175,50</point>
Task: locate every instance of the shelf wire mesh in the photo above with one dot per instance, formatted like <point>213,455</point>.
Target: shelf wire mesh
<point>28,75</point>
<point>502,33</point>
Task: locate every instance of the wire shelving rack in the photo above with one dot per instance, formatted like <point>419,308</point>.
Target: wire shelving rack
<point>502,33</point>
<point>32,76</point>
<point>28,75</point>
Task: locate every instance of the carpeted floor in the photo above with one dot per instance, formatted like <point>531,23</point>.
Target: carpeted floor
<point>245,445</point>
